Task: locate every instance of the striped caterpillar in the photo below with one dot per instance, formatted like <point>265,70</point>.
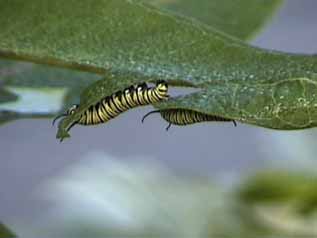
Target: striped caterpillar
<point>183,117</point>
<point>119,102</point>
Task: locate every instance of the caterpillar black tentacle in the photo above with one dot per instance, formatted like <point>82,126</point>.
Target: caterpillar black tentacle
<point>149,113</point>
<point>58,117</point>
<point>183,117</point>
<point>111,106</point>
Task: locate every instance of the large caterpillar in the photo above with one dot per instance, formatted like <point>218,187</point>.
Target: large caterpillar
<point>111,106</point>
<point>183,117</point>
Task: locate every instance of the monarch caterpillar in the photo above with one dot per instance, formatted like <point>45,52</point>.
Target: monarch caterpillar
<point>111,106</point>
<point>183,117</point>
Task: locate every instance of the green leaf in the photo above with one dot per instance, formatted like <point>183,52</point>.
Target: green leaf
<point>6,96</point>
<point>121,36</point>
<point>248,84</point>
<point>131,39</point>
<point>287,104</point>
<point>298,188</point>
<point>239,18</point>
<point>279,198</point>
<point>38,76</point>
<point>5,232</point>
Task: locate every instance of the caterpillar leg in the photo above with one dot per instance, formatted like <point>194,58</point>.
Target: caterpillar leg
<point>168,127</point>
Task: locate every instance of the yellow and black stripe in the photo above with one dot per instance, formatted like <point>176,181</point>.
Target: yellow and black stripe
<point>119,102</point>
<point>183,117</point>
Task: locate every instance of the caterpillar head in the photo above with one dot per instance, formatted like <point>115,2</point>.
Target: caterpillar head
<point>162,86</point>
<point>62,128</point>
<point>70,111</point>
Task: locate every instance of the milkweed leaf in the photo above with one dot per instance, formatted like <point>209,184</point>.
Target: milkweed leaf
<point>62,25</point>
<point>239,18</point>
<point>5,232</point>
<point>133,38</point>
<point>160,45</point>
<point>237,81</point>
<point>6,96</point>
<point>277,198</point>
<point>286,104</point>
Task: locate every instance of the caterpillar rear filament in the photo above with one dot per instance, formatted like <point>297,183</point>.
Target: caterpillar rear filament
<point>111,106</point>
<point>183,117</point>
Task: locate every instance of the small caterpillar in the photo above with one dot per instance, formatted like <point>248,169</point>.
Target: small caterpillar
<point>183,117</point>
<point>111,106</point>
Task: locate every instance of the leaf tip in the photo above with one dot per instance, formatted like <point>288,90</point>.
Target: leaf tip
<point>62,132</point>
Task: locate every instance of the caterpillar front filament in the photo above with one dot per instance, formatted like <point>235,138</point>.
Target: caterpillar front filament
<point>183,117</point>
<point>119,102</point>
